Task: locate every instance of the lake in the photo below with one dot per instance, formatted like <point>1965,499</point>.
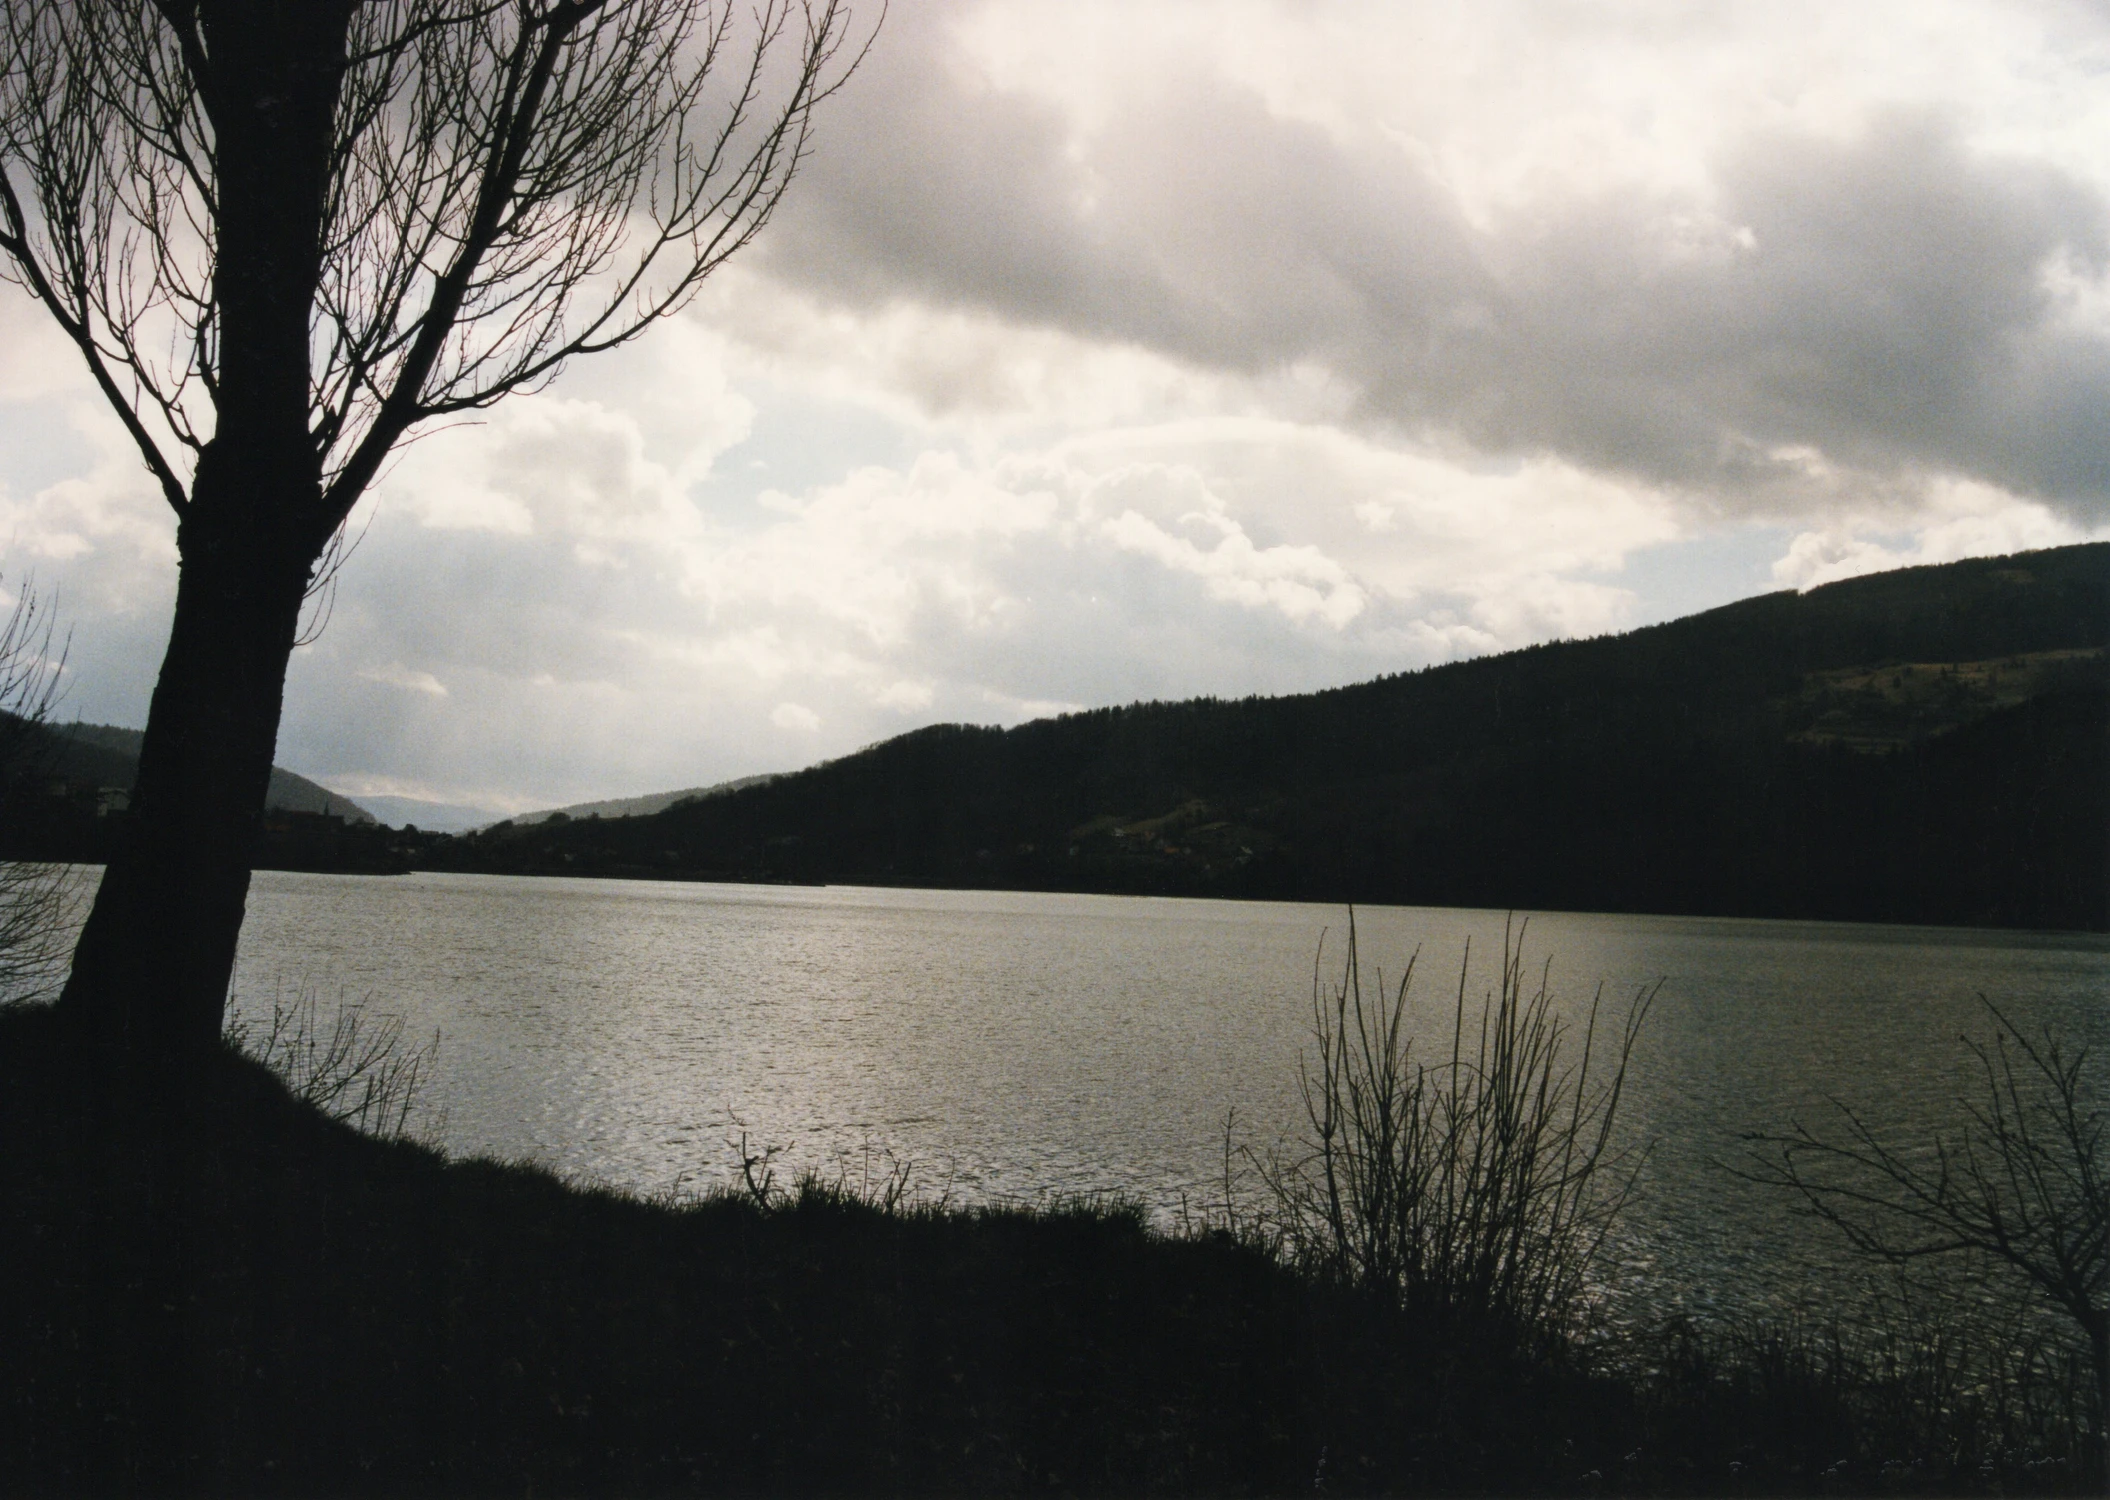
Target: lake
<point>1021,1046</point>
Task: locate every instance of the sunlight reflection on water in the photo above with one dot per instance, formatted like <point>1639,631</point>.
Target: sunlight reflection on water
<point>1023,1045</point>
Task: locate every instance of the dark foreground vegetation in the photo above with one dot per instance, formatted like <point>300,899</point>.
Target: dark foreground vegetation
<point>226,1290</point>
<point>1928,745</point>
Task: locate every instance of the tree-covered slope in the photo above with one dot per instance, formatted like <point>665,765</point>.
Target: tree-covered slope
<point>57,803</point>
<point>1923,745</point>
<point>106,755</point>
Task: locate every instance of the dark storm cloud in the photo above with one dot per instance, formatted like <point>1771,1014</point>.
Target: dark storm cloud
<point>1215,231</point>
<point>1881,299</point>
<point>1888,308</point>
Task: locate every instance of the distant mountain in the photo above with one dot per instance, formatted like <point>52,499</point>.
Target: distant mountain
<point>291,793</point>
<point>103,755</point>
<point>428,815</point>
<point>634,807</point>
<point>1927,745</point>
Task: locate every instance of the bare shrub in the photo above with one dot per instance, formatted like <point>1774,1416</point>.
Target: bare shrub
<point>40,904</point>
<point>40,910</point>
<point>354,1064</point>
<point>1476,1186</point>
<point>2018,1188</point>
<point>758,1172</point>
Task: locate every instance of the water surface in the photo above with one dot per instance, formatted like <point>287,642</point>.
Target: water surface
<point>1028,1045</point>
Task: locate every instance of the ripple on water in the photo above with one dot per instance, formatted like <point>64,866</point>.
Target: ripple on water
<point>1025,1045</point>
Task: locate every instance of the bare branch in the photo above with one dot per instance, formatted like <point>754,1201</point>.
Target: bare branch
<point>72,318</point>
<point>557,177</point>
<point>2021,1183</point>
<point>38,902</point>
<point>103,168</point>
<point>510,183</point>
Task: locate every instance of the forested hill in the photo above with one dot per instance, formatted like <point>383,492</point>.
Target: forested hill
<point>94,755</point>
<point>1928,745</point>
<point>64,789</point>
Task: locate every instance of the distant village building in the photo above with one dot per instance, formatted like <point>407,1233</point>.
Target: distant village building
<point>110,800</point>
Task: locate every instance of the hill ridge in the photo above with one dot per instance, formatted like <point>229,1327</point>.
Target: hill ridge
<point>107,755</point>
<point>1707,764</point>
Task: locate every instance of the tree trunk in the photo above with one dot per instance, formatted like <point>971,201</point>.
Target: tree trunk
<point>151,970</point>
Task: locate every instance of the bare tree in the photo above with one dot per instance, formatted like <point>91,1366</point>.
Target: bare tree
<point>282,237</point>
<point>2021,1181</point>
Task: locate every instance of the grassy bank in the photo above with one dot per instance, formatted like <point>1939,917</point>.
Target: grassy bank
<point>233,1293</point>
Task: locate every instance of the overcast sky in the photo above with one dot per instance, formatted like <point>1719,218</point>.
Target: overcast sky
<point>1139,350</point>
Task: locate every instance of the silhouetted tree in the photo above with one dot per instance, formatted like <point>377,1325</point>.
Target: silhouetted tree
<point>283,236</point>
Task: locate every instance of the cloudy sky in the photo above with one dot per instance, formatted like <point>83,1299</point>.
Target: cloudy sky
<point>1134,350</point>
